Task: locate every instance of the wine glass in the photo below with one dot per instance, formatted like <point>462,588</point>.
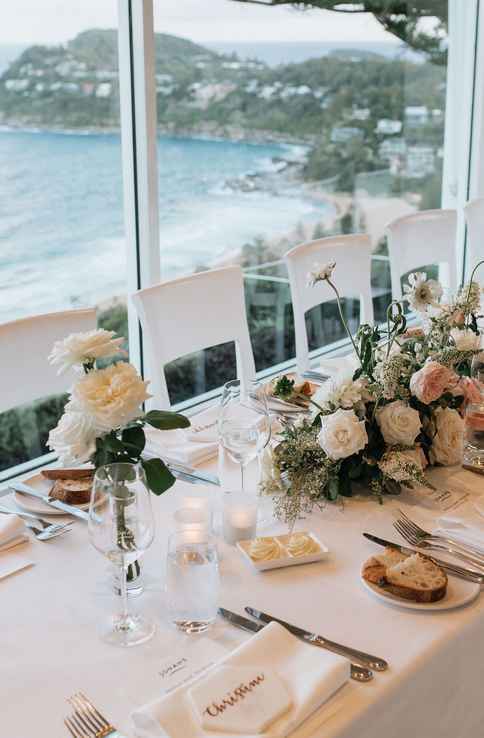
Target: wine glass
<point>121,527</point>
<point>244,427</point>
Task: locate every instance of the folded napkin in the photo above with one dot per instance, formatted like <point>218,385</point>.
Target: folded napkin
<point>12,531</point>
<point>309,675</point>
<point>192,446</point>
<point>468,530</point>
<point>12,557</point>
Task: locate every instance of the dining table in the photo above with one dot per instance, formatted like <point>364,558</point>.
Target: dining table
<point>50,614</point>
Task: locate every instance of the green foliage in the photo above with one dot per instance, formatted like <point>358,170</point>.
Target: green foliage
<point>158,476</point>
<point>164,420</point>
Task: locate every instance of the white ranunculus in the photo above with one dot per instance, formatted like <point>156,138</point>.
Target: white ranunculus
<point>465,339</point>
<point>112,397</point>
<point>342,434</point>
<point>338,392</point>
<point>84,348</point>
<point>74,438</point>
<point>399,423</point>
<point>448,443</point>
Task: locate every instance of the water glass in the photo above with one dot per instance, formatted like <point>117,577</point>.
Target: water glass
<point>474,438</point>
<point>192,580</point>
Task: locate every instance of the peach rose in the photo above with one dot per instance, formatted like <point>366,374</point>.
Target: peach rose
<point>430,382</point>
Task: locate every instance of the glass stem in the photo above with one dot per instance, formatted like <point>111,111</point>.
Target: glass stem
<point>124,595</point>
<point>242,477</point>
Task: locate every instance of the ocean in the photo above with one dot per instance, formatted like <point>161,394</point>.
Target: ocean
<point>61,213</point>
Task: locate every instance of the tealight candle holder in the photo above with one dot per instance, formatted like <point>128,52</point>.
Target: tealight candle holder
<point>195,514</point>
<point>239,520</point>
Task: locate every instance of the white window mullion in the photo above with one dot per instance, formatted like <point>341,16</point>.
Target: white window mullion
<point>139,151</point>
<point>459,113</point>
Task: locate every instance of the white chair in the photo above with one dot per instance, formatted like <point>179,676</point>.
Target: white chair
<point>420,239</point>
<point>352,275</point>
<point>474,215</point>
<point>25,372</point>
<point>190,314</point>
<point>25,345</point>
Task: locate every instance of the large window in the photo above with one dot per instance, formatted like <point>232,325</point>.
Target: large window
<point>61,230</point>
<point>324,123</point>
<point>274,126</point>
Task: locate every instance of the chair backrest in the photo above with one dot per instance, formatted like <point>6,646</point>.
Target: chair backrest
<point>25,345</point>
<point>474,215</point>
<point>190,314</point>
<point>420,239</point>
<point>352,254</point>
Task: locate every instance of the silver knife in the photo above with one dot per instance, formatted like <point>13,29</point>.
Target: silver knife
<point>68,509</point>
<point>315,376</point>
<point>358,673</point>
<point>189,474</point>
<point>458,571</point>
<point>359,657</point>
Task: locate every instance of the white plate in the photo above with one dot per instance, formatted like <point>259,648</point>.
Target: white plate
<point>459,593</point>
<point>32,504</point>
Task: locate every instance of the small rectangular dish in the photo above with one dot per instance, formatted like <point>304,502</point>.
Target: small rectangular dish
<point>275,552</point>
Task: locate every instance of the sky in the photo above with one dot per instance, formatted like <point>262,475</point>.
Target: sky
<point>57,21</point>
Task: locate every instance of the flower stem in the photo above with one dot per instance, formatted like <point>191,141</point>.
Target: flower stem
<point>345,325</point>
<point>470,287</point>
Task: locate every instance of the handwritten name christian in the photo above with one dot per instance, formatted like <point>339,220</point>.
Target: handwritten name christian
<point>232,698</point>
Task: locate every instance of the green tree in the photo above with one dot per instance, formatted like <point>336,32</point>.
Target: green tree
<point>399,17</point>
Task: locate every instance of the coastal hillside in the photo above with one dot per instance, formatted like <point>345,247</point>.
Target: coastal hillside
<point>359,111</point>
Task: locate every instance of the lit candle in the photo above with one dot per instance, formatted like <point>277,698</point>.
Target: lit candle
<point>239,519</point>
<point>192,519</point>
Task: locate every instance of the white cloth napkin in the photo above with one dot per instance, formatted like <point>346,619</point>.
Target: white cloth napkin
<point>12,531</point>
<point>12,557</point>
<point>311,676</point>
<point>192,446</point>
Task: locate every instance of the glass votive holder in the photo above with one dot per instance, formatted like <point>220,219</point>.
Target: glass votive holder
<point>239,516</point>
<point>474,435</point>
<point>192,519</point>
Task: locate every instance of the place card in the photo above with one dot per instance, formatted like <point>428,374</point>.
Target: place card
<point>243,700</point>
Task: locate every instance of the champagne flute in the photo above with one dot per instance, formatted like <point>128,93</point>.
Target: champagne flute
<point>244,426</point>
<point>121,527</point>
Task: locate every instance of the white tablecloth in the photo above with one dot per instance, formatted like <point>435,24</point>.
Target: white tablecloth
<point>50,647</point>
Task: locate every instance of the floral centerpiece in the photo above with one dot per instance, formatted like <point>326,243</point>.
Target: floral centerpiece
<point>103,420</point>
<point>398,411</point>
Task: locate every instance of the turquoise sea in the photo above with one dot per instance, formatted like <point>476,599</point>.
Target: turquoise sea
<point>61,213</point>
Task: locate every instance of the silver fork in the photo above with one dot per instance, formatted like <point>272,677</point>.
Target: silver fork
<point>425,535</point>
<point>86,721</point>
<point>407,533</point>
<point>46,531</point>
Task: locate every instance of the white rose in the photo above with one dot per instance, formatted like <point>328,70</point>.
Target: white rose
<point>399,423</point>
<point>84,348</point>
<point>448,443</point>
<point>465,339</point>
<point>112,397</point>
<point>74,438</point>
<point>342,434</point>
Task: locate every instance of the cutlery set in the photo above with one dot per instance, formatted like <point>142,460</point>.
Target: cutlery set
<point>361,663</point>
<point>86,721</point>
